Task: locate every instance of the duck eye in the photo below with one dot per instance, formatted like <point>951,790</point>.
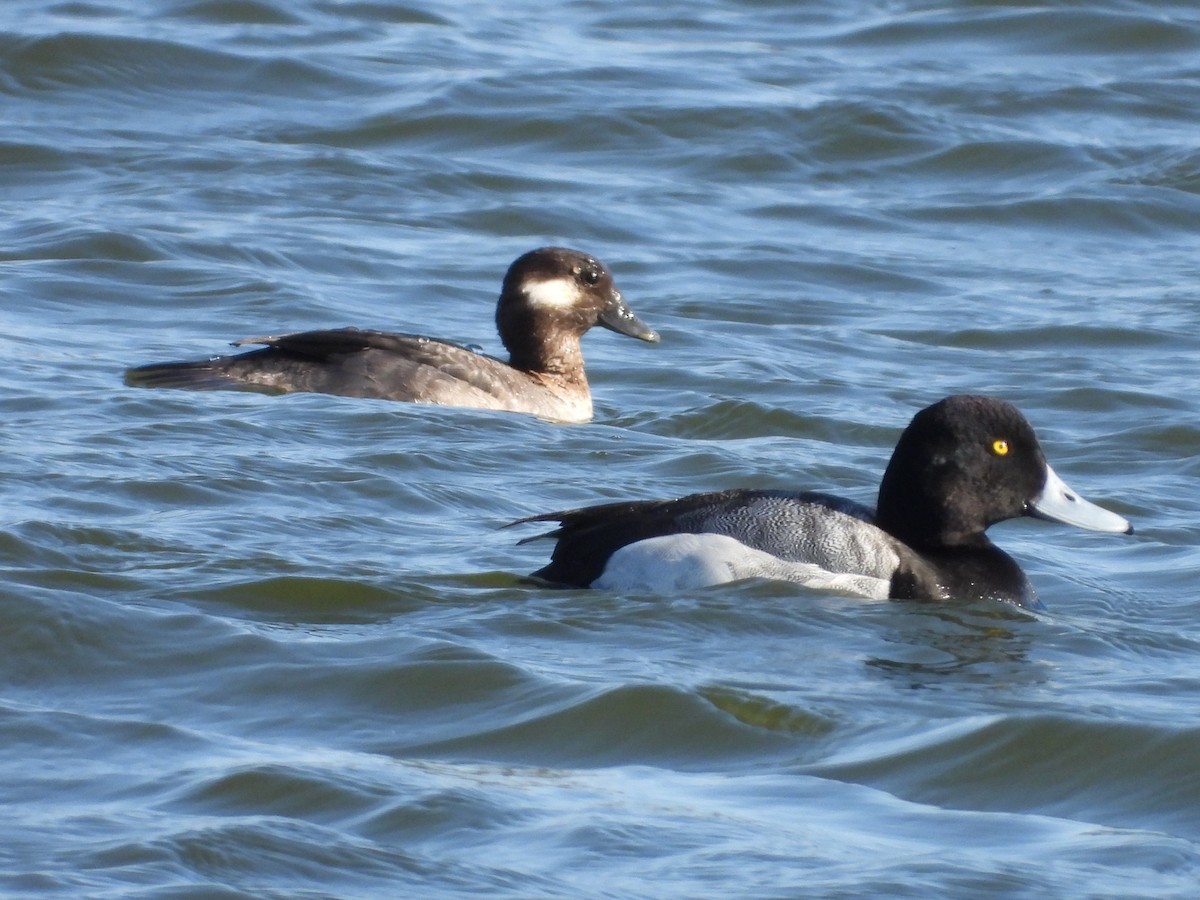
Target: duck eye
<point>1000,447</point>
<point>589,276</point>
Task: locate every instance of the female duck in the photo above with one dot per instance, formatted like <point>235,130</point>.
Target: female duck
<point>549,299</point>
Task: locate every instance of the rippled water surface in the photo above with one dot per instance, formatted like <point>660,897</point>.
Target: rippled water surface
<point>265,646</point>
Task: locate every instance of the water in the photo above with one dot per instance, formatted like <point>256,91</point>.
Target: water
<point>279,647</point>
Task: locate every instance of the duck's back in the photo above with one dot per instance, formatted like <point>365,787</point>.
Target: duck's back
<point>353,362</point>
<point>831,533</point>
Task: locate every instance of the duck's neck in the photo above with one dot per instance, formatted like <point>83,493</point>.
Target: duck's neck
<point>561,357</point>
<point>918,507</point>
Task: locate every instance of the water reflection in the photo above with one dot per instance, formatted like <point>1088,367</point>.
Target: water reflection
<point>975,641</point>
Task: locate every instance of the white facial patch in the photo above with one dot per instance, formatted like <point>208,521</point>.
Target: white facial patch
<point>555,293</point>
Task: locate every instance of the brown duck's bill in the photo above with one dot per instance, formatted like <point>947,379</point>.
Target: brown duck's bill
<point>621,319</point>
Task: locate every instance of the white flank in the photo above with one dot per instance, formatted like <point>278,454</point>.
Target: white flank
<point>554,292</point>
<point>676,562</point>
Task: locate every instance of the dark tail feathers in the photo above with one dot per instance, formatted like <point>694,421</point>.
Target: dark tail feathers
<point>203,375</point>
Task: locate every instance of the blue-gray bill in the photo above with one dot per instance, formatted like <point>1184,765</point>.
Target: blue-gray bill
<point>1058,503</point>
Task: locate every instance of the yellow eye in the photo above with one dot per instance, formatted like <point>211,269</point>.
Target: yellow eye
<point>1000,447</point>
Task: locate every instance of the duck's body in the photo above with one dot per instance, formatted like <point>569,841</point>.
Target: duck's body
<point>962,465</point>
<point>550,298</point>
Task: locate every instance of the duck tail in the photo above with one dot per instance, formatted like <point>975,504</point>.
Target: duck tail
<point>200,375</point>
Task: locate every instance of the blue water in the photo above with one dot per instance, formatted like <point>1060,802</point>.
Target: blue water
<point>279,646</point>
